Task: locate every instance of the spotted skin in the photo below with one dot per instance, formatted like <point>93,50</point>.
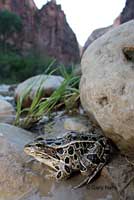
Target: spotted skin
<point>75,152</point>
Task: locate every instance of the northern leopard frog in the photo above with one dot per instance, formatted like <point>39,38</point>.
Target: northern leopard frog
<point>83,152</point>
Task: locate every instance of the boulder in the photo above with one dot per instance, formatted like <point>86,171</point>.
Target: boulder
<point>107,85</point>
<point>99,32</point>
<point>4,89</point>
<point>47,83</point>
<point>94,35</point>
<point>6,108</point>
<point>15,179</point>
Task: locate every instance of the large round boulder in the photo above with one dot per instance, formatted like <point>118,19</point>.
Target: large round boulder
<point>47,84</point>
<point>95,35</point>
<point>107,85</point>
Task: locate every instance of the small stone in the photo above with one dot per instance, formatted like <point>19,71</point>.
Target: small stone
<point>46,83</point>
<point>75,124</point>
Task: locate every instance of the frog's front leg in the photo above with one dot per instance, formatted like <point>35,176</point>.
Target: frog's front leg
<point>63,172</point>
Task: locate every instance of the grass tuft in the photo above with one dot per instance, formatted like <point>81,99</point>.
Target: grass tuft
<point>67,95</point>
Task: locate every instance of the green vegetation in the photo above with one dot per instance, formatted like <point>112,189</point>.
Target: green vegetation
<point>15,68</point>
<point>10,23</point>
<point>66,95</point>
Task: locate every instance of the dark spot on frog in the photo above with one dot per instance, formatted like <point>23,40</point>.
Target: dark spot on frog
<point>81,151</point>
<point>85,137</point>
<point>75,157</point>
<point>59,174</point>
<point>71,150</point>
<point>77,145</point>
<point>84,144</point>
<point>67,169</point>
<point>93,158</point>
<point>57,167</point>
<point>67,160</point>
<point>60,151</point>
<point>57,157</point>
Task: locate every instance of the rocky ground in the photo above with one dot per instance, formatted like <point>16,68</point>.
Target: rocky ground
<point>22,178</point>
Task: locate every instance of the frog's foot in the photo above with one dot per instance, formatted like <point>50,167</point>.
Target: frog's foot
<point>90,178</point>
<point>50,176</point>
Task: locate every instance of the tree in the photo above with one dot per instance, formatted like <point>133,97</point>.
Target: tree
<point>10,23</point>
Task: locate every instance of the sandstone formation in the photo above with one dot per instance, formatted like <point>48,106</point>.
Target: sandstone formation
<point>128,12</point>
<point>45,31</point>
<point>54,35</point>
<point>107,85</point>
<point>117,21</point>
<point>46,83</point>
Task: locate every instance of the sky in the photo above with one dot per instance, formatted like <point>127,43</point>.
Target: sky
<point>87,15</point>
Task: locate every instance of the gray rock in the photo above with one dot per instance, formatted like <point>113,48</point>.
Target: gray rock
<point>76,124</point>
<point>47,83</point>
<point>107,85</point>
<point>121,172</point>
<point>15,180</point>
<point>95,35</point>
<point>6,112</point>
<point>4,89</point>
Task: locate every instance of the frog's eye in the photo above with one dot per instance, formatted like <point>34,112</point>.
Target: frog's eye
<point>39,145</point>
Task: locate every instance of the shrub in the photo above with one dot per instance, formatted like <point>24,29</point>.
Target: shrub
<point>14,68</point>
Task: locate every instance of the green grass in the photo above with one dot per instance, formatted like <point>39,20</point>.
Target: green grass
<point>15,68</point>
<point>65,96</point>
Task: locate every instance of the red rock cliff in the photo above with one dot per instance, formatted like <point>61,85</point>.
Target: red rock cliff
<point>45,30</point>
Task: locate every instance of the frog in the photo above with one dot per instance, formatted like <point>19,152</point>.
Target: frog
<point>86,153</point>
